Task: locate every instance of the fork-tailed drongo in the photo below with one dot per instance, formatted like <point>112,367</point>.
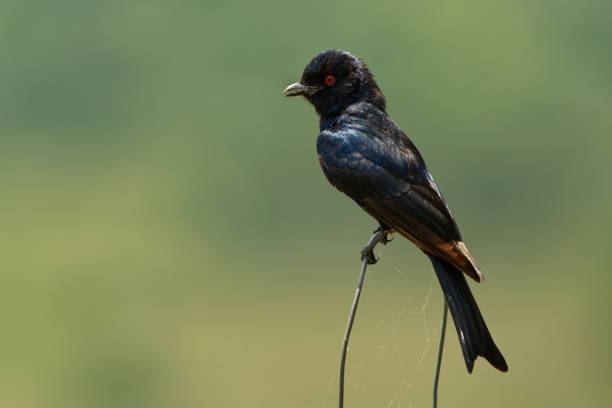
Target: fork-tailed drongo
<point>368,157</point>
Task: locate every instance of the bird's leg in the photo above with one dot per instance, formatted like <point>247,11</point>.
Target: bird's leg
<point>388,231</point>
<point>380,235</point>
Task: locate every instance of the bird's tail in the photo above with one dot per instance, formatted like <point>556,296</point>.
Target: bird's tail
<point>473,334</point>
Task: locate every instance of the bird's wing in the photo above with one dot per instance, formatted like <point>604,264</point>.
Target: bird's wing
<point>386,175</point>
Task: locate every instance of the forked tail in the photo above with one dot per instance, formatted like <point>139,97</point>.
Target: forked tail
<point>474,335</point>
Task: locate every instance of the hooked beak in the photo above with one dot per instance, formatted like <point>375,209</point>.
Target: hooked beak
<point>300,89</point>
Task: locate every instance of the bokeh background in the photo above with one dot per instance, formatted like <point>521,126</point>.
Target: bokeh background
<point>168,239</point>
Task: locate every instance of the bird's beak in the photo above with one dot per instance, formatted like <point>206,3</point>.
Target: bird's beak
<point>299,89</point>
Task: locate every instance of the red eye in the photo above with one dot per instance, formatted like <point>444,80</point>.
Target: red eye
<point>329,80</point>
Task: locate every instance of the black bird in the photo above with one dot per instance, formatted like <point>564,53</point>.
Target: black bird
<point>368,157</point>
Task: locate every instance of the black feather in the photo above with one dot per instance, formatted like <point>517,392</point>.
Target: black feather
<point>473,333</point>
<point>368,157</point>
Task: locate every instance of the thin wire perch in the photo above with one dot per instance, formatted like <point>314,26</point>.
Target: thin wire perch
<point>367,256</point>
<point>439,361</point>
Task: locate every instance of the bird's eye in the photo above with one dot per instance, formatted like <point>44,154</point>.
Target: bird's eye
<point>330,80</point>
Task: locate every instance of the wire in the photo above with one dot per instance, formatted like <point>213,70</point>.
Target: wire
<point>367,254</point>
<point>440,350</point>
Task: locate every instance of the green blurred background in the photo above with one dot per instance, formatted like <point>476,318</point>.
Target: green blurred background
<point>168,239</point>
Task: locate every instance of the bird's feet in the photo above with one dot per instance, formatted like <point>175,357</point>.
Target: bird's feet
<point>368,253</point>
<point>385,238</point>
<point>380,235</point>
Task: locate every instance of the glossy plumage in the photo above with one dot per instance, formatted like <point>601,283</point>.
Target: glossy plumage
<point>368,157</point>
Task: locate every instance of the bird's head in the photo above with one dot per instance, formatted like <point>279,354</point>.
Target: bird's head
<point>335,79</point>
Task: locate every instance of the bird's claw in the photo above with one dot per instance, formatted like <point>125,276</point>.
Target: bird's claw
<point>368,253</point>
<point>385,238</point>
<point>381,236</point>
